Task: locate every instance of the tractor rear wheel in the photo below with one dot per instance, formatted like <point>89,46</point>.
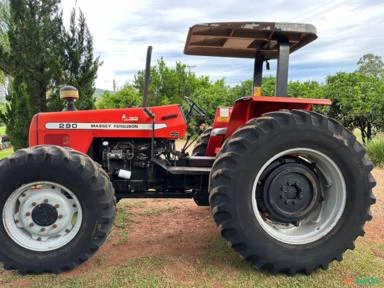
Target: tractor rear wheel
<point>57,209</point>
<point>290,191</point>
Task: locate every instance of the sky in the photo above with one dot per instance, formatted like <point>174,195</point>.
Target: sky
<point>122,30</point>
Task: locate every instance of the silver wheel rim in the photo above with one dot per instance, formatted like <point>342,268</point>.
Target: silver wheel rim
<point>324,218</point>
<point>21,225</point>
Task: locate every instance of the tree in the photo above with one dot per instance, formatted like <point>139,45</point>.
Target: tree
<point>307,89</point>
<point>78,64</point>
<point>169,85</point>
<point>241,90</point>
<point>33,61</point>
<point>42,56</point>
<point>357,102</point>
<point>371,65</point>
<point>212,96</point>
<point>17,125</point>
<point>127,97</point>
<point>4,44</point>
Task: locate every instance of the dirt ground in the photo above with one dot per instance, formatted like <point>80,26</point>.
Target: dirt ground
<point>174,243</point>
<point>180,228</point>
<point>375,228</point>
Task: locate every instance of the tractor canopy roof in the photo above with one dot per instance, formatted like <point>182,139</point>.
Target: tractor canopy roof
<point>246,39</point>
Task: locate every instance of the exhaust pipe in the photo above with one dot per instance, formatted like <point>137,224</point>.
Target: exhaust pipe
<point>147,76</point>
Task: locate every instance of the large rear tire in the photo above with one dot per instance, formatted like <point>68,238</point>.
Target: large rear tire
<point>57,209</point>
<point>291,191</point>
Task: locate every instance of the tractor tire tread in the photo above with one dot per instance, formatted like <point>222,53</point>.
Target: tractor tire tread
<point>221,199</point>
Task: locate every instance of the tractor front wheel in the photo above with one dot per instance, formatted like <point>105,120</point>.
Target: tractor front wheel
<point>57,209</point>
<point>200,148</point>
<point>291,191</point>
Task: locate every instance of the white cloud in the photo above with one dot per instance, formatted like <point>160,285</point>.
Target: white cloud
<point>122,29</point>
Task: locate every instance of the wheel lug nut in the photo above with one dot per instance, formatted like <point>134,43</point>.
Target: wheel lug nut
<point>54,226</point>
<point>31,225</point>
<point>60,216</point>
<point>16,221</point>
<point>33,203</point>
<point>45,200</point>
<point>38,239</point>
<point>74,205</point>
<point>42,229</point>
<point>67,230</point>
<point>28,214</point>
<point>23,195</point>
<point>57,206</point>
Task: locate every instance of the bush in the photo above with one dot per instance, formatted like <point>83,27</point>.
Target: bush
<point>375,150</point>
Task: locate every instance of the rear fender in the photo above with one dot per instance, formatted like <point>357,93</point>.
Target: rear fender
<point>252,107</point>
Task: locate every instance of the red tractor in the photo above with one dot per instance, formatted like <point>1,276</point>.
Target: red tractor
<point>289,189</point>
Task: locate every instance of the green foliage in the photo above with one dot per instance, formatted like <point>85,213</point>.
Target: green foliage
<point>17,115</point>
<point>4,43</point>
<point>169,85</point>
<point>6,153</point>
<point>307,89</point>
<point>42,56</point>
<point>375,150</point>
<point>126,97</point>
<point>212,96</point>
<point>245,88</point>
<point>268,86</point>
<point>34,31</point>
<point>79,67</point>
<point>371,65</point>
<point>357,102</point>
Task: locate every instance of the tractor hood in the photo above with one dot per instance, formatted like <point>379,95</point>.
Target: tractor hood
<point>77,129</point>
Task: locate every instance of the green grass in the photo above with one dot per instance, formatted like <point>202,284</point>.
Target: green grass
<point>217,266</point>
<point>358,264</point>
<point>156,211</point>
<point>2,130</point>
<point>375,150</point>
<point>121,221</point>
<point>6,152</point>
<point>141,272</point>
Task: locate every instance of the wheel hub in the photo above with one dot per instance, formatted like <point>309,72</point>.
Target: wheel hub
<point>291,191</point>
<point>44,214</point>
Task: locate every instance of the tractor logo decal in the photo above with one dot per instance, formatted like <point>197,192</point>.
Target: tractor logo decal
<point>126,118</point>
<point>103,126</point>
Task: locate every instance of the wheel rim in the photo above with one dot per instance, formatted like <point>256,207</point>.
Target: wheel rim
<point>42,216</point>
<point>323,218</point>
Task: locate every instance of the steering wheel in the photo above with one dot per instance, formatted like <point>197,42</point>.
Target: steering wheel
<point>194,106</point>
